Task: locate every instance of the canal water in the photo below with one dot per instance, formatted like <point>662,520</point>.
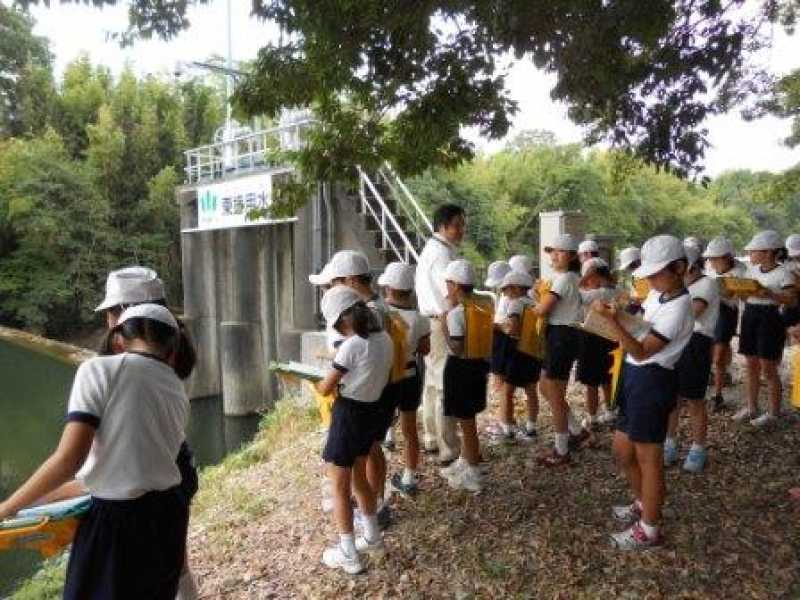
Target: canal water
<point>33,396</point>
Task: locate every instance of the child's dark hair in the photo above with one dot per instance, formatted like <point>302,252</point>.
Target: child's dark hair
<point>781,254</point>
<point>605,273</point>
<point>635,265</point>
<point>467,289</point>
<point>444,214</point>
<point>594,253</point>
<point>402,294</point>
<point>359,316</point>
<point>673,267</point>
<point>574,264</point>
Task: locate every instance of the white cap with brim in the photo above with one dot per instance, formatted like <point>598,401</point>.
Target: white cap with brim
<point>592,265</point>
<point>793,245</point>
<point>460,272</point>
<point>718,247</point>
<point>131,285</point>
<point>518,278</point>
<point>337,300</point>
<point>398,276</point>
<point>495,273</point>
<point>587,246</point>
<point>321,278</point>
<point>657,253</point>
<point>520,262</point>
<point>348,263</point>
<point>692,254</point>
<point>765,240</point>
<point>153,312</point>
<point>565,241</point>
<point>628,256</point>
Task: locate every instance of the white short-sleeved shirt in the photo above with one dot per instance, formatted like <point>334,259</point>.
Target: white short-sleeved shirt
<point>139,410</point>
<point>456,324</point>
<point>673,322</point>
<point>776,279</point>
<point>418,328</point>
<point>739,269</point>
<point>429,280</point>
<point>568,309</point>
<point>507,307</point>
<point>365,364</point>
<point>706,288</point>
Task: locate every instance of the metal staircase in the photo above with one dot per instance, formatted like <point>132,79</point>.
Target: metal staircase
<point>393,215</point>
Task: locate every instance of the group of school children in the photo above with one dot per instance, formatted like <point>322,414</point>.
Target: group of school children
<point>125,442</point>
<point>689,322</point>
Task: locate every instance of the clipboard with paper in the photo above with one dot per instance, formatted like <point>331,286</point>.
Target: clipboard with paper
<point>478,326</point>
<point>597,325</point>
<point>47,529</point>
<point>532,333</point>
<point>294,371</point>
<point>739,287</point>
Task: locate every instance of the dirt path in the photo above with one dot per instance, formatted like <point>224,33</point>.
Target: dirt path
<point>733,532</point>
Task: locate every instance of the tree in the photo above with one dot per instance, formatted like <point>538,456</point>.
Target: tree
<point>25,75</point>
<point>640,74</point>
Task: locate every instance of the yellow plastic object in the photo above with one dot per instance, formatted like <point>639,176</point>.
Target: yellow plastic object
<point>540,288</point>
<point>640,289</point>
<point>532,333</point>
<point>796,378</point>
<point>397,329</point>
<point>45,535</point>
<point>618,356</point>
<point>324,404</point>
<point>739,287</point>
<point>479,327</point>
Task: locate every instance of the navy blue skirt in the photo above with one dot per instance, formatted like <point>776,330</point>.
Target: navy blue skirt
<point>502,346</point>
<point>129,549</point>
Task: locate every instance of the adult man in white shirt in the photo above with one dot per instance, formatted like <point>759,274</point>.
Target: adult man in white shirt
<point>439,432</point>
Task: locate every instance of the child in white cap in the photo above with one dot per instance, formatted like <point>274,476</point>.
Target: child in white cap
<point>359,374</point>
<point>648,388</point>
<point>594,358</point>
<point>628,261</point>
<point>588,249</point>
<point>763,333</point>
<point>465,380</point>
<point>518,369</point>
<point>500,341</point>
<point>397,282</point>
<point>791,312</point>
<point>694,366</point>
<point>126,420</point>
<point>721,262</point>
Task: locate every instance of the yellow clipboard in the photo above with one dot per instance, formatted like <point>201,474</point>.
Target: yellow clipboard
<point>532,333</point>
<point>397,329</point>
<point>640,289</point>
<point>739,287</point>
<point>479,327</point>
<point>618,356</point>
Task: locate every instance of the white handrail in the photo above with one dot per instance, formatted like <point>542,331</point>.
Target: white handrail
<point>419,212</point>
<point>381,219</point>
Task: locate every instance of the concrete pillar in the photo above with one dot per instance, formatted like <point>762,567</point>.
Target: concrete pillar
<point>242,368</point>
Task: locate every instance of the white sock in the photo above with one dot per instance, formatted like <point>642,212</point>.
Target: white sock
<point>696,447</point>
<point>670,442</point>
<point>651,531</point>
<point>389,435</point>
<point>409,476</point>
<point>562,443</point>
<point>531,425</point>
<point>187,588</point>
<point>371,531</point>
<point>573,425</point>
<point>347,543</point>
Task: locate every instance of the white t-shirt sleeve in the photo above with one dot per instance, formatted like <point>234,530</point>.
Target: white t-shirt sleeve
<point>87,399</point>
<point>668,322</point>
<point>347,355</point>
<point>455,322</point>
<point>706,289</point>
<point>788,278</point>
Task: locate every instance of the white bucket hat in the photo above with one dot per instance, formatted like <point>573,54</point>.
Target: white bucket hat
<point>154,312</point>
<point>460,272</point>
<point>565,241</point>
<point>398,276</point>
<point>718,247</point>
<point>131,285</point>
<point>337,300</point>
<point>765,240</point>
<point>521,262</point>
<point>592,265</point>
<point>519,278</point>
<point>628,256</point>
<point>588,246</point>
<point>793,245</point>
<point>495,273</point>
<point>692,254</point>
<point>657,253</point>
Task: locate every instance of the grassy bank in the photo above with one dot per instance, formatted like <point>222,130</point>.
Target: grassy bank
<point>276,430</point>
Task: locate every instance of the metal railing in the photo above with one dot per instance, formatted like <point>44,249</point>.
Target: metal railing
<point>418,220</point>
<point>243,153</point>
<point>374,205</point>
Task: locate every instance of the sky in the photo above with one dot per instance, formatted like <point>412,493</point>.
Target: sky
<point>73,29</point>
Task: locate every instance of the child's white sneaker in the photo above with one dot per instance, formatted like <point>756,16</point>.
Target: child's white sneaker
<point>606,417</point>
<point>742,415</point>
<point>763,420</point>
<point>336,558</point>
<point>468,478</point>
<point>364,545</point>
<point>453,468</point>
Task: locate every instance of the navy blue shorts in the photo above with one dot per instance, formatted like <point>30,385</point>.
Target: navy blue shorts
<point>521,369</point>
<point>502,344</point>
<point>595,360</point>
<point>465,387</point>
<point>763,333</point>
<point>355,426</point>
<point>563,344</point>
<point>189,479</point>
<point>727,322</point>
<point>790,315</point>
<point>694,367</point>
<point>407,393</point>
<point>646,396</point>
<point>129,549</point>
